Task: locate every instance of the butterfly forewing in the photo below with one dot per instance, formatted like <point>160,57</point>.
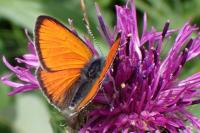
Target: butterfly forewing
<point>58,48</point>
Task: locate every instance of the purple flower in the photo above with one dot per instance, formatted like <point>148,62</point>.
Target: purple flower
<point>144,92</point>
<point>24,74</point>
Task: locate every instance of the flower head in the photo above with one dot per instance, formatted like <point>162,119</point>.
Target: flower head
<point>143,93</point>
<point>25,74</point>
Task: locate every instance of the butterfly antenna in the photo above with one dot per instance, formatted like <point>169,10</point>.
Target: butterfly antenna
<point>87,25</point>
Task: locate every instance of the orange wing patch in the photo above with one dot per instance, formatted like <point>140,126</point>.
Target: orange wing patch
<point>110,57</point>
<point>58,48</point>
<point>56,85</point>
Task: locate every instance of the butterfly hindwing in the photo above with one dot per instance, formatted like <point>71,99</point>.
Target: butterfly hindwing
<point>57,85</point>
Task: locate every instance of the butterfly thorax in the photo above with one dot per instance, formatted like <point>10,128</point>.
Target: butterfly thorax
<point>93,68</point>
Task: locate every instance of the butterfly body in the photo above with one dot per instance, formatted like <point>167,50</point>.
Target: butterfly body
<point>70,75</point>
<point>88,77</point>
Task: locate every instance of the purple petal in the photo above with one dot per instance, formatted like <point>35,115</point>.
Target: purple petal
<point>28,60</point>
<point>91,46</point>
<point>192,81</point>
<point>22,89</point>
<point>195,48</point>
<point>8,65</point>
<point>104,29</point>
<point>31,48</point>
<point>6,81</point>
<point>195,120</point>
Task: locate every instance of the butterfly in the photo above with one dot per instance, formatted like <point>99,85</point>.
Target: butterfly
<point>70,75</point>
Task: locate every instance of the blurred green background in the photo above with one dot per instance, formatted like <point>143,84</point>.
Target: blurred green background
<point>30,112</point>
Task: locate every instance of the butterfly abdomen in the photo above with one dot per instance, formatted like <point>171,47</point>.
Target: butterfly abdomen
<point>89,75</point>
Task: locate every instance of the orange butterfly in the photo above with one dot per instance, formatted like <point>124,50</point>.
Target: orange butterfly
<point>70,75</point>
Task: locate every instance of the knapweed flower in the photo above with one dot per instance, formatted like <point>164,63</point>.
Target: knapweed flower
<point>25,74</point>
<point>143,92</point>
